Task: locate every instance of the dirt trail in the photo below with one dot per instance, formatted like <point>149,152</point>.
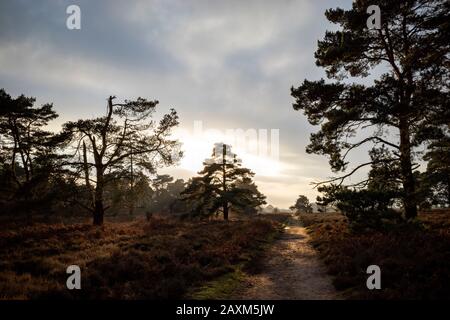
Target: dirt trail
<point>290,271</point>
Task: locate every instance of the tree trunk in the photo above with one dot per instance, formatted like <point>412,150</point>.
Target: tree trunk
<point>409,187</point>
<point>131,209</point>
<point>99,209</point>
<point>13,165</point>
<point>225,211</point>
<point>132,197</point>
<point>448,193</point>
<point>98,213</point>
<point>224,181</point>
<point>86,175</point>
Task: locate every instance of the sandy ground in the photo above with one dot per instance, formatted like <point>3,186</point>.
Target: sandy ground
<point>290,271</point>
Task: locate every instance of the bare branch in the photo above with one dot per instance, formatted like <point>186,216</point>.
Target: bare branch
<point>342,178</point>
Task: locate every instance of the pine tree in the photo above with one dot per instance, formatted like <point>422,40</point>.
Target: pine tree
<point>402,108</point>
<point>28,153</point>
<point>223,184</point>
<point>437,175</point>
<point>302,205</point>
<point>106,145</point>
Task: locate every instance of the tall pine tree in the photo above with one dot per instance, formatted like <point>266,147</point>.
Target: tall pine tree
<point>401,109</point>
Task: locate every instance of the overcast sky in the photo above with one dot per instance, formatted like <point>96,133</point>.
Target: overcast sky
<point>228,64</point>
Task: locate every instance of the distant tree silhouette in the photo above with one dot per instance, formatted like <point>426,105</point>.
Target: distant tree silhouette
<point>166,197</point>
<point>410,98</point>
<point>106,144</point>
<point>122,195</point>
<point>302,205</point>
<point>222,184</point>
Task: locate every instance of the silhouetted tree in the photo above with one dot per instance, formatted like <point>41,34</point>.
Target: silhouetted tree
<point>105,144</point>
<point>121,195</point>
<point>166,197</point>
<point>412,47</point>
<point>248,203</point>
<point>302,205</point>
<point>175,203</point>
<point>28,154</point>
<point>384,174</point>
<point>437,175</point>
<point>222,184</point>
<point>370,203</point>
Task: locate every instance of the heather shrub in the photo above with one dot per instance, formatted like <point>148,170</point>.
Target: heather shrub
<point>155,259</point>
<point>414,259</point>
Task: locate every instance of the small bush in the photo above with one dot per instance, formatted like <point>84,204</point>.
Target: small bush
<point>367,209</point>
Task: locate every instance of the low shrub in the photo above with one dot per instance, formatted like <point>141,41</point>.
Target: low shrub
<point>366,209</point>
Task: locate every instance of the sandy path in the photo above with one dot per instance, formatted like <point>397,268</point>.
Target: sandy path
<point>291,271</point>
